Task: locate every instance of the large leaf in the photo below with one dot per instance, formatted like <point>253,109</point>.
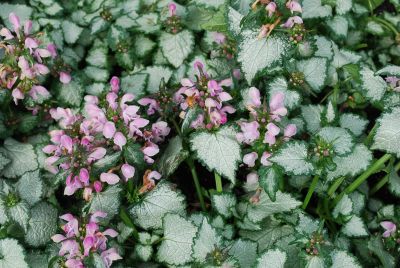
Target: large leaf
<point>339,138</point>
<point>355,227</point>
<point>224,203</point>
<point>292,157</point>
<point>269,180</point>
<point>71,94</point>
<point>176,246</point>
<point>148,213</point>
<point>218,151</point>
<point>355,123</point>
<point>71,31</point>
<point>387,135</point>
<point>20,214</point>
<point>42,224</point>
<point>342,259</point>
<point>176,47</point>
<point>22,156</point>
<point>255,55</point>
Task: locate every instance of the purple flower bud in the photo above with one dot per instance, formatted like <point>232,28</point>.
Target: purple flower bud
<point>14,19</point>
<point>65,78</point>
<point>250,159</point>
<point>119,139</point>
<point>109,178</point>
<point>109,130</point>
<point>128,171</point>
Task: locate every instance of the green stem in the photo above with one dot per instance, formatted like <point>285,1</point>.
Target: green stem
<point>190,163</point>
<point>387,24</point>
<point>383,181</point>
<point>335,186</point>
<point>127,220</point>
<point>178,130</point>
<point>218,182</point>
<point>310,191</point>
<point>357,182</point>
<point>371,170</point>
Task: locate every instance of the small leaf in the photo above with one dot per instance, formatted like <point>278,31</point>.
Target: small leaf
<point>351,164</point>
<point>339,26</point>
<point>315,72</point>
<point>314,9</point>
<point>342,259</point>
<point>344,207</point>
<point>143,252</point>
<point>394,182</point>
<point>20,214</point>
<point>22,156</point>
<point>255,54</point>
<point>292,157</point>
<point>12,253</point>
<point>374,87</point>
<point>176,246</point>
<point>71,94</point>
<point>148,23</point>
<point>284,203</point>
<point>207,240</point>
<point>224,203</point>
<point>271,232</point>
<point>269,180</point>
<point>172,157</point>
<point>387,135</point>
<point>393,70</point>
<point>30,187</point>
<point>315,262</point>
<point>339,138</point>
<point>176,47</point>
<point>312,116</point>
<point>355,227</point>
<point>42,224</point>
<point>244,251</point>
<point>148,213</point>
<point>234,19</point>
<point>155,74</point>
<point>343,6</point>
<point>135,84</point>
<point>107,201</point>
<point>273,258</point>
<point>355,123</point>
<point>376,246</point>
<point>71,31</point>
<point>218,151</point>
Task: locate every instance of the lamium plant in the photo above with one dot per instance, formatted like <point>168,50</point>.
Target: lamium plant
<point>198,133</point>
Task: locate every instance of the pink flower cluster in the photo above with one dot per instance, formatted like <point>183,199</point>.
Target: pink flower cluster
<point>117,120</point>
<point>390,228</point>
<point>80,240</point>
<point>107,126</point>
<point>207,95</point>
<point>262,130</point>
<point>393,83</point>
<point>25,61</point>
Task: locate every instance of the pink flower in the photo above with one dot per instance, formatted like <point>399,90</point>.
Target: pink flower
<point>153,105</point>
<point>119,139</point>
<point>17,95</point>
<point>97,154</point>
<point>271,8</point>
<point>198,122</point>
<point>84,176</point>
<point>252,178</point>
<point>160,130</point>
<point>292,21</point>
<point>31,43</point>
<point>109,256</point>
<point>219,38</point>
<point>172,9</point>
<point>65,78</point>
<point>254,100</point>
<point>128,171</point>
<point>74,263</point>
<point>42,91</point>
<point>149,151</point>
<point>97,186</point>
<point>71,228</point>
<point>272,131</point>
<point>14,19</point>
<point>390,228</point>
<point>72,185</point>
<point>52,49</point>
<point>27,27</point>
<point>6,34</point>
<point>114,82</point>
<point>66,143</point>
<point>109,130</point>
<point>293,6</point>
<point>276,106</point>
<point>264,159</point>
<point>41,69</point>
<point>250,159</point>
<point>110,178</point>
<point>290,131</point>
<point>237,74</point>
<point>249,132</point>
